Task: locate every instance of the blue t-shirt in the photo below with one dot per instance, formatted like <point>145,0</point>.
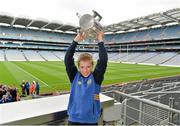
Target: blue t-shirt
<point>84,103</point>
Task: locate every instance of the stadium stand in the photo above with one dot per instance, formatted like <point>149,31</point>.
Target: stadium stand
<point>23,34</point>
<point>33,55</point>
<point>160,58</point>
<point>1,55</point>
<point>142,46</point>
<point>141,102</point>
<point>14,55</point>
<point>174,61</point>
<point>49,56</point>
<point>60,55</point>
<point>144,57</point>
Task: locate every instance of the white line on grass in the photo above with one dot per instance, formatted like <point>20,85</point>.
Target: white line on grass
<point>33,76</point>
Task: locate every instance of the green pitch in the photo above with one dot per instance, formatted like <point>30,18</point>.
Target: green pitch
<point>52,75</point>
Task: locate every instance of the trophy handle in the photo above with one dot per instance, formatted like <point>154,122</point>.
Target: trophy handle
<point>78,15</point>
<point>96,14</point>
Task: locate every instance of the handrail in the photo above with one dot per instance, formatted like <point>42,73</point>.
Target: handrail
<point>161,92</point>
<point>153,103</point>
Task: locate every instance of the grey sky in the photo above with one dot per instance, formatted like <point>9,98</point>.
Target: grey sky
<point>64,11</point>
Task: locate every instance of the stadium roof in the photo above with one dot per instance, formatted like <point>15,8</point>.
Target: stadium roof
<point>154,20</point>
<point>40,24</point>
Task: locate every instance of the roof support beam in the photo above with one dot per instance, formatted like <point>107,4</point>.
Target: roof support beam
<point>169,17</point>
<point>114,27</point>
<point>153,21</point>
<point>12,22</point>
<point>59,27</point>
<point>72,29</point>
<point>127,27</point>
<point>44,25</point>
<point>136,23</point>
<point>30,23</point>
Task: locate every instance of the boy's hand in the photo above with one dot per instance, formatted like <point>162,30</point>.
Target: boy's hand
<point>80,37</point>
<point>100,36</point>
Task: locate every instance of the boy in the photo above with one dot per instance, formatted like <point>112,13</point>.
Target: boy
<point>84,103</point>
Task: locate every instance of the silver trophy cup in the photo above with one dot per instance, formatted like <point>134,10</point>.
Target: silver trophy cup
<point>89,25</point>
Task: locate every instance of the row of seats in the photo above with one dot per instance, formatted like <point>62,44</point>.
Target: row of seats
<point>167,58</point>
<point>168,32</point>
<point>36,35</point>
<point>160,91</point>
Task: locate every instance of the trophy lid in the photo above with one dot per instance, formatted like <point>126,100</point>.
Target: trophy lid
<point>86,21</point>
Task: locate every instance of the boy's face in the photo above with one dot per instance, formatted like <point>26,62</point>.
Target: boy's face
<point>85,67</point>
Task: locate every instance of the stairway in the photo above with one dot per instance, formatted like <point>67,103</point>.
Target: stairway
<point>5,57</point>
<point>42,56</point>
<point>24,55</point>
<point>57,56</point>
<point>169,59</point>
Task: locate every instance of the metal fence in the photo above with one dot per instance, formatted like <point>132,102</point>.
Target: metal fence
<point>140,111</point>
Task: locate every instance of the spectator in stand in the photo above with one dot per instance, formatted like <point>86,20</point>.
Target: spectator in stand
<point>23,88</point>
<point>37,88</point>
<point>27,86</point>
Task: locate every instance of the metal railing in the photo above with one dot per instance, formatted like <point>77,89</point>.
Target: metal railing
<point>140,111</point>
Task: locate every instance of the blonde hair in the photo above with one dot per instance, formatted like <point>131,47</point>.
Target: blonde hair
<point>85,57</point>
